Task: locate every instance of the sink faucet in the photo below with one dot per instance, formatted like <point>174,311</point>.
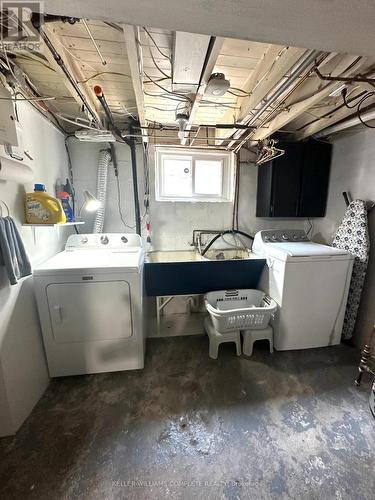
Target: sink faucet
<point>197,238</point>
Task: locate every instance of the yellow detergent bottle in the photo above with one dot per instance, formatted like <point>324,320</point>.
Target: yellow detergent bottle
<point>41,208</point>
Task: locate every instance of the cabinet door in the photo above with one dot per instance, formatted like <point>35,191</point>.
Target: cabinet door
<point>314,179</point>
<point>264,190</point>
<point>286,181</point>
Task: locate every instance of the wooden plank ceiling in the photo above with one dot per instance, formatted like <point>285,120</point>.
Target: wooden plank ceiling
<point>135,66</point>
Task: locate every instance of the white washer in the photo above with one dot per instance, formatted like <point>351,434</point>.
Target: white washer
<point>310,283</point>
<point>90,305</point>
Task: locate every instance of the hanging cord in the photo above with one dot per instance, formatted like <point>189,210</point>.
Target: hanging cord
<point>71,179</point>
<point>359,105</point>
<point>156,45</point>
<point>220,235</point>
<point>119,200</point>
<point>311,226</point>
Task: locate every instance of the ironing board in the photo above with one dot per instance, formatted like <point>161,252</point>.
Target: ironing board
<point>352,235</point>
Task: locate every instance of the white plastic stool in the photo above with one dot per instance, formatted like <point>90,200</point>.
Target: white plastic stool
<point>217,338</point>
<point>250,336</point>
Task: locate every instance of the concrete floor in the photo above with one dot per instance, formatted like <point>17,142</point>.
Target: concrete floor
<point>288,425</point>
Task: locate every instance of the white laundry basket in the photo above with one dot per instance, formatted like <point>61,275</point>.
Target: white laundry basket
<point>239,309</point>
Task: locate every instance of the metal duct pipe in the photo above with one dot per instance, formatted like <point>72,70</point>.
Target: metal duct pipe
<point>338,127</point>
<point>101,189</point>
<point>302,65</point>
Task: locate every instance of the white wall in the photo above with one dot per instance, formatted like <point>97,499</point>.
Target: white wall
<point>24,376</point>
<point>84,158</point>
<point>172,223</point>
<point>353,169</point>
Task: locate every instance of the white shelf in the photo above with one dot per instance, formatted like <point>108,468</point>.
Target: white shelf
<point>54,225</point>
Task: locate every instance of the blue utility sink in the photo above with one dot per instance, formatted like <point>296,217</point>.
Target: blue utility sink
<point>185,273</point>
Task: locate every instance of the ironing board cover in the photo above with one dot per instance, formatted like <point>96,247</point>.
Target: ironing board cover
<point>352,235</point>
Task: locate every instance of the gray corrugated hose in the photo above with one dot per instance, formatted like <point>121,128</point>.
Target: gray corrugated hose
<point>101,189</point>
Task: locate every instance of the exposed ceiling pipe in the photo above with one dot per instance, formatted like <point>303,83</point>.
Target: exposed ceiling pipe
<point>36,23</point>
<point>299,68</point>
<point>338,127</point>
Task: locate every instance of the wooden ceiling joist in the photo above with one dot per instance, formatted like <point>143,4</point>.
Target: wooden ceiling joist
<point>75,71</point>
<point>329,118</point>
<point>272,68</point>
<point>216,46</point>
<point>135,61</point>
<point>295,110</point>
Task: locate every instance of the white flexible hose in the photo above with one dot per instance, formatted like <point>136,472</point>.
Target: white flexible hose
<point>101,189</point>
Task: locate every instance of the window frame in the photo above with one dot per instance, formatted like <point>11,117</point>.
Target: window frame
<point>228,177</point>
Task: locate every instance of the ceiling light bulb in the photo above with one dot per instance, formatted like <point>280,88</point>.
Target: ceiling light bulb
<point>217,85</point>
<point>181,119</point>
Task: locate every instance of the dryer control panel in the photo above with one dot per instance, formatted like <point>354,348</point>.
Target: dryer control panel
<point>108,241</point>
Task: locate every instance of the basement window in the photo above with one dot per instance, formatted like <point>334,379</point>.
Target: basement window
<point>194,175</point>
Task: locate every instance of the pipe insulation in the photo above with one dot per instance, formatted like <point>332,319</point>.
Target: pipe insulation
<point>343,125</point>
<point>101,189</point>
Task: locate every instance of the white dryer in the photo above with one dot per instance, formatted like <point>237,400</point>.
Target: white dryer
<point>310,282</point>
<point>90,305</point>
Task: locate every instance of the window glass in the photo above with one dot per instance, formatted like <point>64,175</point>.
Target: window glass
<point>208,177</point>
<point>177,177</point>
<point>193,175</point>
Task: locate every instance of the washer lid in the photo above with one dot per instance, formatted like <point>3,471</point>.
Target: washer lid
<point>308,249</point>
<point>97,261</point>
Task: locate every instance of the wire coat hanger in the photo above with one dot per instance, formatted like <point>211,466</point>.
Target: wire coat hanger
<point>2,202</point>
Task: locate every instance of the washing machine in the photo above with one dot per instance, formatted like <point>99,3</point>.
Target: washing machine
<point>90,305</point>
<point>310,282</point>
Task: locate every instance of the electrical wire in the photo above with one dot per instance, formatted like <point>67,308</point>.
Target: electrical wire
<point>359,104</point>
<point>156,64</point>
<point>33,102</point>
<point>103,73</point>
<point>156,45</point>
<point>344,95</point>
<point>162,96</point>
<point>168,91</point>
<point>157,80</point>
<point>218,104</point>
<point>245,94</point>
<point>119,202</point>
<point>28,99</point>
<point>370,94</point>
<point>118,188</point>
<point>311,225</point>
<point>33,59</point>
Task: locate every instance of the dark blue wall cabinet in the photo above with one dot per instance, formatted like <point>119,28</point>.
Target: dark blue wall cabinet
<point>185,278</point>
<point>295,184</point>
